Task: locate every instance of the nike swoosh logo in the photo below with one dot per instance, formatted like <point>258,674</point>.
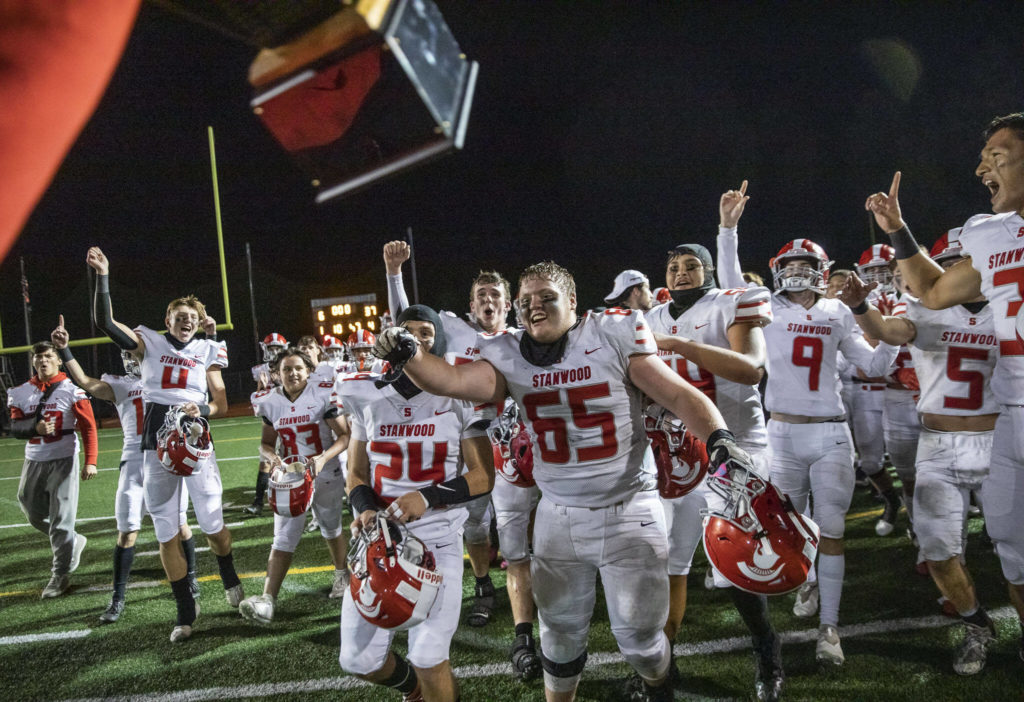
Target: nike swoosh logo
<point>442,486</point>
<point>701,326</point>
<point>840,443</point>
<point>590,351</point>
<point>643,524</point>
<point>833,319</point>
<point>437,413</point>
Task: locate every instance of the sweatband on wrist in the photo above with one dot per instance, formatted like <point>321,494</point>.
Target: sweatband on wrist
<point>361,499</point>
<point>450,492</point>
<point>862,308</point>
<point>204,410</point>
<point>65,354</point>
<point>904,244</point>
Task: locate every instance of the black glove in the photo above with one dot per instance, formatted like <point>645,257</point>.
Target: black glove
<point>723,451</point>
<point>396,346</point>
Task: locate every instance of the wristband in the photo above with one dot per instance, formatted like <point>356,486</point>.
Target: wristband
<point>450,492</point>
<point>204,410</point>
<point>361,499</point>
<point>862,308</point>
<point>65,354</point>
<point>904,244</point>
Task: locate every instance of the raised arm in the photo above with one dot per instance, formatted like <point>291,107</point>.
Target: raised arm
<point>937,289</point>
<point>891,330</point>
<point>474,382</point>
<point>96,388</point>
<point>395,254</point>
<point>742,363</point>
<point>120,334</point>
<point>730,209</point>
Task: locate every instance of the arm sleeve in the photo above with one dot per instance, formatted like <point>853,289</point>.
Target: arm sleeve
<point>105,318</point>
<point>86,424</point>
<point>397,299</point>
<point>728,266</point>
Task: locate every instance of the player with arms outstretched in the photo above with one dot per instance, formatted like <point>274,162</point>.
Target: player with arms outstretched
<point>578,382</point>
<point>178,370</point>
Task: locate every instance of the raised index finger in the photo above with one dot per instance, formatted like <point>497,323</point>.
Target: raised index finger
<point>60,320</point>
<point>894,189</point>
<point>743,188</point>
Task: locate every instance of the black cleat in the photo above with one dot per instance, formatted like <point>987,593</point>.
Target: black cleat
<point>483,605</point>
<point>113,612</point>
<point>525,662</point>
<point>770,676</point>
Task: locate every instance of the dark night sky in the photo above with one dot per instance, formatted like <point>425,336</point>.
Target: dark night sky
<point>601,135</point>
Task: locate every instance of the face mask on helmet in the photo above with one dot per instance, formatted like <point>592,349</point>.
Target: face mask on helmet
<point>183,443</point>
<point>680,457</point>
<point>272,345</point>
<point>512,448</point>
<point>878,274</point>
<point>394,581</point>
<point>334,349</point>
<point>291,487</point>
<point>131,366</point>
<point>758,541</point>
<point>801,265</point>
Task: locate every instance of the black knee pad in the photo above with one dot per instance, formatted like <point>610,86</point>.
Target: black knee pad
<point>563,670</point>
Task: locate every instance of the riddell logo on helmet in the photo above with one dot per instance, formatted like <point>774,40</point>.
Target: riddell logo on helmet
<point>762,569</point>
<point>429,576</point>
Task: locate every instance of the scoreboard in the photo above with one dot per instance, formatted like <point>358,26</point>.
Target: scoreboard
<point>340,316</point>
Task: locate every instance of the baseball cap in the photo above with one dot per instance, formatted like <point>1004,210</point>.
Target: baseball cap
<point>623,281</point>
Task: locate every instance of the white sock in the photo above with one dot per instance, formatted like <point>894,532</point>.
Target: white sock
<point>830,586</point>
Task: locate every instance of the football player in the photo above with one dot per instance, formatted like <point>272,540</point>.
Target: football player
<point>811,446</point>
<point>991,245</point>
<point>46,411</point>
<point>713,338</point>
<point>300,416</point>
<point>324,370</point>
<point>489,305</point>
<point>404,453</point>
<point>334,351</point>
<point>578,382</point>
<point>954,353</point>
<point>125,393</point>
<point>265,375</point>
<point>178,371</point>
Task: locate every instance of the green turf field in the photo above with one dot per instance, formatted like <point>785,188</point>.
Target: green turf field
<point>897,646</point>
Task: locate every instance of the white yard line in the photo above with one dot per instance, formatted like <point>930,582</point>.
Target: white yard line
<point>480,671</point>
<point>52,636</point>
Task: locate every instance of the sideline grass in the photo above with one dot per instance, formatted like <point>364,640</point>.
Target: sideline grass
<point>299,651</point>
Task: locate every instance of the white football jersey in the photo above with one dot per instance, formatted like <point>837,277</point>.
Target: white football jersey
<point>954,352</point>
<point>262,370</point>
<point>411,443</point>
<point>23,401</point>
<point>301,425</point>
<point>128,401</point>
<point>803,375</point>
<point>173,377</point>
<point>460,335</point>
<point>995,244</point>
<point>708,322</point>
<point>584,413</point>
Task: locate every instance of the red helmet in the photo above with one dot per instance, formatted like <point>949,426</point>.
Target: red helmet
<point>394,579</point>
<point>183,443</point>
<point>271,345</point>
<point>759,542</point>
<point>681,458</point>
<point>361,339</point>
<point>291,488</point>
<point>874,266</point>
<point>513,448</point>
<point>814,279</point>
<point>947,246</point>
<point>333,347</point>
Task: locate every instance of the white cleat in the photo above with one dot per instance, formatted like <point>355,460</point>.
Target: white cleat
<point>258,608</point>
<point>57,586</point>
<point>340,584</point>
<point>234,595</point>
<point>829,651</point>
<point>970,657</point>
<point>806,604</point>
<point>181,632</point>
<point>76,552</point>
<point>709,579</point>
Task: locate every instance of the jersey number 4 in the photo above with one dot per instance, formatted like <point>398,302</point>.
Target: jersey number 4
<point>552,432</point>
